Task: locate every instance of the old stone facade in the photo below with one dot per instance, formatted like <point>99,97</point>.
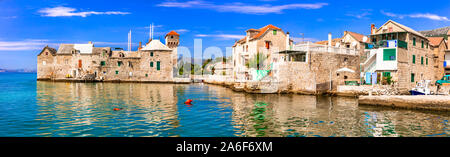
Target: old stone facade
<point>401,53</point>
<point>153,62</point>
<point>264,41</point>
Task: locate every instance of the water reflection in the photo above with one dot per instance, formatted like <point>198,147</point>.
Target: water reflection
<point>85,109</point>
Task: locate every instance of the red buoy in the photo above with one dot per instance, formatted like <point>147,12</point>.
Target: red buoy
<point>188,101</point>
<point>117,109</point>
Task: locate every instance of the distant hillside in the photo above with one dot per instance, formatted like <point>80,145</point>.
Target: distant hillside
<point>436,32</point>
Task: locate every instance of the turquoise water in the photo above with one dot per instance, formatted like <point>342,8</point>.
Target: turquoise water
<point>35,108</point>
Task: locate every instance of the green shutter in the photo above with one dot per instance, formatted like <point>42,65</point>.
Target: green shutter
<point>151,64</point>
<point>118,64</point>
<point>422,44</point>
<point>414,41</point>
<point>414,59</point>
<point>386,74</point>
<point>151,54</point>
<point>117,72</point>
<point>146,75</point>
<point>427,60</point>
<point>274,32</point>
<point>421,60</point>
<point>158,65</point>
<point>412,77</point>
<point>102,63</point>
<point>389,54</point>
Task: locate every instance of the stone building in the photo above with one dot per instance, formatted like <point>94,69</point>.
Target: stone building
<point>438,45</point>
<point>447,55</point>
<point>153,62</point>
<point>398,52</point>
<point>261,42</point>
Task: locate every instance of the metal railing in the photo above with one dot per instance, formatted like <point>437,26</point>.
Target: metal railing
<point>385,43</point>
<point>324,48</point>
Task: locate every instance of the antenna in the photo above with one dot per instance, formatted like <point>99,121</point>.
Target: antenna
<point>153,29</point>
<point>150,32</point>
<point>129,41</point>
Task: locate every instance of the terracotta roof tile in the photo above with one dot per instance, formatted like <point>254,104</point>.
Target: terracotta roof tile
<point>435,41</point>
<point>264,29</point>
<point>172,33</point>
<point>333,41</point>
<point>357,36</point>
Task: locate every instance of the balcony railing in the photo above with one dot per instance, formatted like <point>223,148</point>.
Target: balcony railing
<point>324,48</point>
<point>387,44</point>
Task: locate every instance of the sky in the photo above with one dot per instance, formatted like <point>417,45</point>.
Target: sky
<point>28,26</point>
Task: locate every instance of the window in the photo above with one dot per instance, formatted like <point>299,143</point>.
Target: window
<point>44,63</point>
<point>171,37</point>
<point>146,75</point>
<point>427,45</point>
<point>421,60</point>
<point>117,72</point>
<point>274,32</point>
<point>151,64</point>
<point>414,59</point>
<point>46,53</point>
<point>412,77</point>
<point>268,44</point>
<point>427,60</point>
<point>414,41</point>
<point>130,64</point>
<point>158,65</point>
<point>151,53</point>
<point>66,61</point>
<point>119,63</point>
<point>422,44</point>
<point>102,63</point>
<point>389,54</point>
<point>246,48</point>
<point>386,74</point>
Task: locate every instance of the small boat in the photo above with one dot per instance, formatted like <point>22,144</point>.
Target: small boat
<point>414,92</point>
<point>421,88</point>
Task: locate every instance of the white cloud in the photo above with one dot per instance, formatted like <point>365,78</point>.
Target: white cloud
<point>28,44</point>
<point>300,39</point>
<point>181,30</point>
<point>418,15</point>
<point>362,14</point>
<point>38,44</point>
<point>222,36</point>
<point>68,12</point>
<point>241,7</point>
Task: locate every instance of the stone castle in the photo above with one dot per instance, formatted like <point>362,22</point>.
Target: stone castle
<point>153,62</point>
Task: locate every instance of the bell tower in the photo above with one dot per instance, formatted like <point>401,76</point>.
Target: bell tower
<point>172,41</point>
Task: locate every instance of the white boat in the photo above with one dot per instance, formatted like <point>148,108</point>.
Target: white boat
<point>421,88</point>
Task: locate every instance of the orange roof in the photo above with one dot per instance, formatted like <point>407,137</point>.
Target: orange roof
<point>264,29</point>
<point>173,33</point>
<point>357,36</point>
<point>260,31</point>
<point>435,41</point>
<point>333,42</point>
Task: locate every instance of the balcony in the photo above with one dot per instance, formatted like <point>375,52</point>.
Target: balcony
<point>387,44</point>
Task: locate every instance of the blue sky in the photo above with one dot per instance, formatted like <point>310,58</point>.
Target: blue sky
<point>27,26</point>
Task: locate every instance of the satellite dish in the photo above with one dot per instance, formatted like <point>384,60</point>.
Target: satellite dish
<point>365,39</point>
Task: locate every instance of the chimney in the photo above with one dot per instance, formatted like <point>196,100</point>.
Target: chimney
<point>287,41</point>
<point>329,39</point>
<point>372,29</point>
<point>140,45</point>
